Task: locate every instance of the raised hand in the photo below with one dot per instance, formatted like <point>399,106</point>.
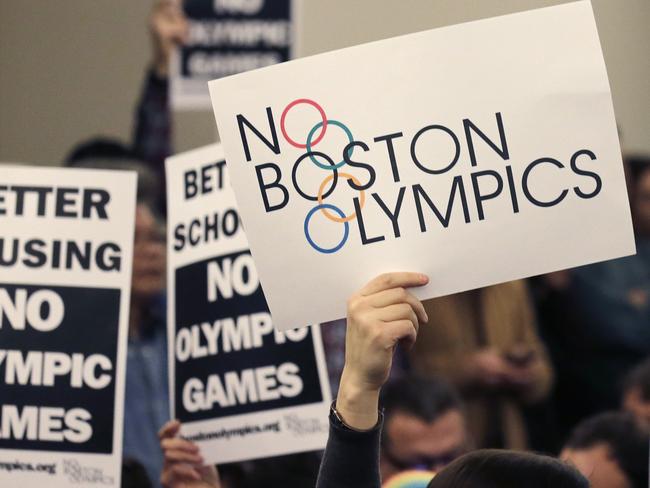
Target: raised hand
<point>381,315</point>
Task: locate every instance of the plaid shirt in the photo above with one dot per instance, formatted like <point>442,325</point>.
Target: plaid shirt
<point>152,136</point>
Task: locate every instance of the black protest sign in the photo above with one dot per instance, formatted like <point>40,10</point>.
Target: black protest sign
<point>57,361</point>
<point>241,388</point>
<point>252,367</point>
<point>65,275</point>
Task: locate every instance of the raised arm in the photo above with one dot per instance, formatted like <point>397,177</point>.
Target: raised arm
<point>381,315</point>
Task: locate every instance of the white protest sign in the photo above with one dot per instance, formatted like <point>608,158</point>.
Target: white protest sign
<point>65,278</point>
<point>227,37</point>
<point>477,154</point>
<point>241,389</point>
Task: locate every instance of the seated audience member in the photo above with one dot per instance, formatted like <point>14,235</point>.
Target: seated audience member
<point>636,394</point>
<point>146,400</point>
<point>611,450</point>
<point>492,468</point>
<point>424,426</point>
<point>146,405</point>
<point>596,317</point>
<point>485,343</point>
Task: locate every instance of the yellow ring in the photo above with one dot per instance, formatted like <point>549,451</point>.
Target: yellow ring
<point>326,212</point>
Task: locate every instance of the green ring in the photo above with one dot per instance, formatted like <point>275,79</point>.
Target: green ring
<point>311,134</point>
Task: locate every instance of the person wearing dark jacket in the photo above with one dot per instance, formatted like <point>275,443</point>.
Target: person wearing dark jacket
<point>381,316</point>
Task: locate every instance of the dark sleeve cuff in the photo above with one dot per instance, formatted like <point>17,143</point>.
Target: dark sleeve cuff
<point>155,81</point>
<point>351,458</point>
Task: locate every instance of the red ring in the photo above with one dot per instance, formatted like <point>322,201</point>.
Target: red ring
<point>323,117</point>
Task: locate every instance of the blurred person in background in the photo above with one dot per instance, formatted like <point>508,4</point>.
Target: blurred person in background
<point>494,468</point>
<point>485,343</point>
<point>152,137</point>
<point>146,395</point>
<point>146,402</point>
<point>596,318</point>
<point>611,450</point>
<point>636,394</point>
<point>424,426</point>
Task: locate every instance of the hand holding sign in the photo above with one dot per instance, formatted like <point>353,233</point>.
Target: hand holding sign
<point>183,465</point>
<point>380,316</point>
<point>483,167</point>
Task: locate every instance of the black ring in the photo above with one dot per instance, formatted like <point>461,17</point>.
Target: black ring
<point>335,180</point>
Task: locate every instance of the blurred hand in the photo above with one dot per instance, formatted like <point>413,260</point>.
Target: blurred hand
<point>489,368</point>
<point>183,466</point>
<point>380,316</point>
<point>492,370</point>
<point>520,378</point>
<point>169,28</point>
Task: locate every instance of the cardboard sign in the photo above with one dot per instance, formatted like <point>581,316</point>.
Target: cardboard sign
<point>227,37</point>
<point>477,154</point>
<point>65,278</point>
<point>241,389</point>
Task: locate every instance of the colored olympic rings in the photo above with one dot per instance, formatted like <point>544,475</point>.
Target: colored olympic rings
<point>309,144</point>
<point>346,231</point>
<point>352,216</point>
<point>284,116</point>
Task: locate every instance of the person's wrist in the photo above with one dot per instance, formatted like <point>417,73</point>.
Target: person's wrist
<point>357,402</point>
<point>160,68</point>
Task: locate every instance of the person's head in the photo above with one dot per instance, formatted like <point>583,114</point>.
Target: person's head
<point>636,393</point>
<point>611,450</point>
<point>507,469</point>
<point>149,248</point>
<point>424,425</point>
<point>638,170</point>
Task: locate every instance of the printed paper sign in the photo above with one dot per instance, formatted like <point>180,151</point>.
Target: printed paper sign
<point>477,154</point>
<point>227,37</point>
<point>241,389</point>
<point>65,278</point>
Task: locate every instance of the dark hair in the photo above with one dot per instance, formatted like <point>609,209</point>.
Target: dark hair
<point>134,475</point>
<point>639,378</point>
<point>99,147</point>
<point>627,443</point>
<point>108,153</point>
<point>508,469</point>
<point>424,398</point>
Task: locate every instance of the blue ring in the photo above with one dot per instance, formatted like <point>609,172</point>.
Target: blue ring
<point>346,233</point>
<point>311,134</point>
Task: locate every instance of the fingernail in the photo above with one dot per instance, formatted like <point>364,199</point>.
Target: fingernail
<point>426,317</point>
<point>424,278</point>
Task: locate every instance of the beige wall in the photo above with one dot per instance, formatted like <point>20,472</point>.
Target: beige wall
<point>70,69</point>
